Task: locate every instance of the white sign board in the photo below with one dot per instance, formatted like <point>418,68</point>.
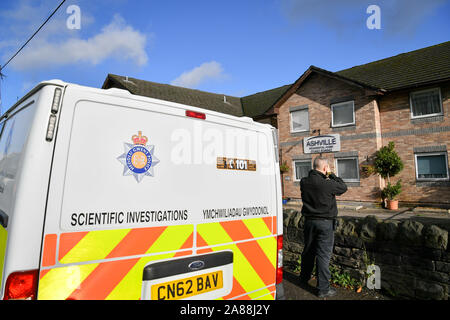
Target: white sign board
<point>322,144</point>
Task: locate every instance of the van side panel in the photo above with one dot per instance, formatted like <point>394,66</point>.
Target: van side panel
<point>135,182</point>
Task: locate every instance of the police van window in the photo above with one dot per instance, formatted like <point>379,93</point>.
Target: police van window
<point>15,133</point>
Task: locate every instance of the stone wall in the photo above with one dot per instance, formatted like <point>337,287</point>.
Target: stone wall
<point>414,257</point>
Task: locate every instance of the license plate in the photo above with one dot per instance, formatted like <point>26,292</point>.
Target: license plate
<point>187,287</point>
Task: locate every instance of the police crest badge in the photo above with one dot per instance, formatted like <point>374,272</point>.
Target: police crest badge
<point>138,159</point>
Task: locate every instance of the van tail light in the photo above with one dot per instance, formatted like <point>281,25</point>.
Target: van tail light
<point>279,259</point>
<point>22,285</point>
<point>197,115</point>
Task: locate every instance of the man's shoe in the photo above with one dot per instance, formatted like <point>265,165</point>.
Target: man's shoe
<point>303,281</point>
<point>331,292</point>
<point>303,284</point>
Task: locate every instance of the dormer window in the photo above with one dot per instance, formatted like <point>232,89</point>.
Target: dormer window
<point>299,119</point>
<point>343,114</point>
<point>426,103</point>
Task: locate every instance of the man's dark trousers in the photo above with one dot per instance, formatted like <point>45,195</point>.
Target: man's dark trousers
<point>320,211</point>
<point>319,240</point>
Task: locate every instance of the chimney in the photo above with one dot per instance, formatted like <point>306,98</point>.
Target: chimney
<point>128,81</point>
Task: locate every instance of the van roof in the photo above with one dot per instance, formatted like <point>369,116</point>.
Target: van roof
<point>124,93</point>
<point>32,92</point>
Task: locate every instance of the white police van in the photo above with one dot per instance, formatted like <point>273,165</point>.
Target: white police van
<point>109,195</point>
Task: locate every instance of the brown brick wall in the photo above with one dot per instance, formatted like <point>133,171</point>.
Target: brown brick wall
<point>395,117</point>
<point>388,115</point>
<point>318,92</point>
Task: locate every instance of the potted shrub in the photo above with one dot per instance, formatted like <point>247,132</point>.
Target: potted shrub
<point>367,169</point>
<point>387,164</point>
<point>284,167</point>
<point>286,199</point>
<point>390,192</point>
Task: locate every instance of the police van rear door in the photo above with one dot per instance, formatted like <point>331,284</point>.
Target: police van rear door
<point>155,200</point>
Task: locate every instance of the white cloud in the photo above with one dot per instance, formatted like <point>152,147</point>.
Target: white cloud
<point>25,17</point>
<point>117,40</point>
<point>206,71</point>
<point>397,16</point>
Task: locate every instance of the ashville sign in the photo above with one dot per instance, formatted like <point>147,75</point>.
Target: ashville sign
<point>322,144</point>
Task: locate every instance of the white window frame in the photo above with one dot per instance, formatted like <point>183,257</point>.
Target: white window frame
<point>427,115</point>
<point>422,154</point>
<point>295,168</point>
<point>357,168</point>
<point>345,124</point>
<point>291,122</point>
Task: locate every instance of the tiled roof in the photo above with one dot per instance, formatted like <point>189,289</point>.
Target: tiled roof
<point>250,106</point>
<point>415,68</point>
<point>258,103</point>
<point>430,64</point>
<point>206,100</point>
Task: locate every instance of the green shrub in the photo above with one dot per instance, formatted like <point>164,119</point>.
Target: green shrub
<point>391,191</point>
<point>284,167</point>
<point>343,279</point>
<point>387,162</point>
<point>339,277</point>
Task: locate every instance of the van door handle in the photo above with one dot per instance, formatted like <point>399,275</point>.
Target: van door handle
<point>3,219</point>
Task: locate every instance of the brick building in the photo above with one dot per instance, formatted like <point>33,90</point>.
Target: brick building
<point>404,99</point>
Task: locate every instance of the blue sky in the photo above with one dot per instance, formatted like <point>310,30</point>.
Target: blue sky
<point>232,47</point>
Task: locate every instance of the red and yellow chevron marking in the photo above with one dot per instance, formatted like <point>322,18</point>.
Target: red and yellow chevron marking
<point>254,260</point>
<point>110,279</point>
<point>274,225</point>
<point>3,240</point>
<point>108,264</point>
<point>49,256</point>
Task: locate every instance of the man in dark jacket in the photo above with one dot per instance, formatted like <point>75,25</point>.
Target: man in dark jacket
<point>319,191</point>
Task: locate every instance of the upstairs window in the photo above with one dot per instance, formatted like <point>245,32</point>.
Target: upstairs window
<point>426,103</point>
<point>343,114</point>
<point>300,120</point>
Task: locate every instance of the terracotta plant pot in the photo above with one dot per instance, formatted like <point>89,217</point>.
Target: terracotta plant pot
<point>392,204</point>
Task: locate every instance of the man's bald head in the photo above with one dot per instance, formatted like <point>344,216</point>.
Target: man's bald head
<point>321,164</point>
